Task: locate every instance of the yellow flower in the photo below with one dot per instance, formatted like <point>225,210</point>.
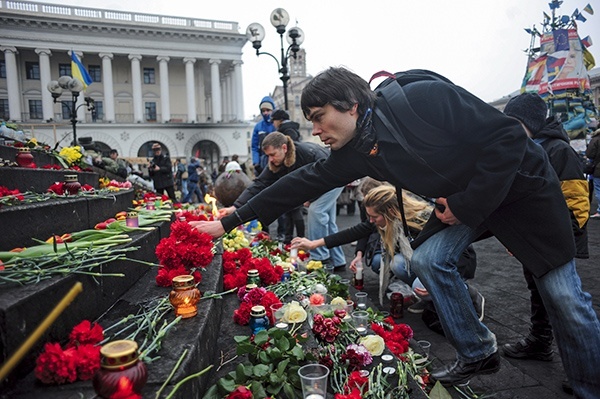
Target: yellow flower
<point>374,344</point>
<point>294,313</point>
<point>314,265</point>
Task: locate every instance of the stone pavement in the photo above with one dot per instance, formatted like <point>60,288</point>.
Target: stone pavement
<point>499,278</point>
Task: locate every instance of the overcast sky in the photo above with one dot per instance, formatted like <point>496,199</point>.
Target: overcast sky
<point>478,44</point>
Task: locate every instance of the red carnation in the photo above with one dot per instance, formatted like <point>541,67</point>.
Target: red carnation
<point>86,333</point>
<point>55,366</point>
<point>88,361</point>
<point>57,188</point>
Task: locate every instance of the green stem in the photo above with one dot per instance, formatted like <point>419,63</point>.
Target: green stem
<point>186,379</point>
<point>171,374</point>
<point>219,295</point>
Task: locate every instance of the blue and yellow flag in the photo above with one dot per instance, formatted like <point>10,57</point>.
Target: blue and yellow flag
<point>589,9</point>
<point>79,71</point>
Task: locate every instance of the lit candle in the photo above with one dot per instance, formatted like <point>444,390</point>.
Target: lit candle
<point>282,326</point>
<point>361,330</point>
<point>209,199</point>
<point>132,219</point>
<point>389,370</point>
<point>26,346</point>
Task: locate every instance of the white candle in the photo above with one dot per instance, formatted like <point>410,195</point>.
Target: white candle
<point>361,330</point>
<point>314,396</point>
<point>282,326</point>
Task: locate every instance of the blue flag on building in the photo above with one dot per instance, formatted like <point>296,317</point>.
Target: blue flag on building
<point>79,71</point>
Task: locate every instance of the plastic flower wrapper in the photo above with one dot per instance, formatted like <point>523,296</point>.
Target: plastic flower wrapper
<point>374,344</point>
<point>294,313</point>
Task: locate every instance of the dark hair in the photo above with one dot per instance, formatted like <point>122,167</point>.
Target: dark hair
<point>280,115</point>
<point>113,151</point>
<point>339,87</point>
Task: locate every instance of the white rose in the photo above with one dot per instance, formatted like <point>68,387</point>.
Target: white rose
<point>294,313</point>
<point>374,344</point>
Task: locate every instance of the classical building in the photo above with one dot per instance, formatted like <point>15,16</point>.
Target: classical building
<point>156,78</point>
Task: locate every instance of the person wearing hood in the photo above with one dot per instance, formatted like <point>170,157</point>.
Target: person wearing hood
<point>593,152</point>
<point>531,110</point>
<point>283,124</point>
<point>424,134</point>
<point>261,129</point>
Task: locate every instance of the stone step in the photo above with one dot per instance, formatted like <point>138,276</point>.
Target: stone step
<point>21,223</point>
<point>39,180</point>
<point>22,308</point>
<point>198,335</point>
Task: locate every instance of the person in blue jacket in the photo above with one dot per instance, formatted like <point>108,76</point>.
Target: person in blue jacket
<point>261,129</point>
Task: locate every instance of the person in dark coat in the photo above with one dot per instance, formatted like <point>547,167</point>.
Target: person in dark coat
<point>161,172</point>
<point>437,140</point>
<point>281,121</point>
<point>285,156</point>
<point>531,110</point>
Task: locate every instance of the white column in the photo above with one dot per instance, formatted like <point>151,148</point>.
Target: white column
<point>215,86</point>
<point>47,105</point>
<point>136,88</point>
<point>109,92</point>
<point>83,109</point>
<point>202,104</point>
<point>165,102</point>
<point>12,83</point>
<point>225,98</point>
<point>238,91</point>
<point>189,87</point>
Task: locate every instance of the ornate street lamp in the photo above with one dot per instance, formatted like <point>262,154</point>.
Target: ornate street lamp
<point>75,86</point>
<point>295,37</point>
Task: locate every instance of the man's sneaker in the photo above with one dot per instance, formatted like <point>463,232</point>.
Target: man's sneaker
<point>417,307</point>
<point>529,348</point>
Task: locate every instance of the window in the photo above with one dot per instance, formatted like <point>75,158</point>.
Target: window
<point>149,77</point>
<point>151,112</point>
<point>98,112</point>
<point>95,73</point>
<point>35,109</point>
<point>64,70</point>
<point>33,70</point>
<point>2,69</point>
<point>4,111</point>
<point>66,110</point>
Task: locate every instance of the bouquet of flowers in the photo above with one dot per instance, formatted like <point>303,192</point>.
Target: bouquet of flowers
<point>80,359</point>
<point>237,263</point>
<point>185,251</point>
<point>253,297</point>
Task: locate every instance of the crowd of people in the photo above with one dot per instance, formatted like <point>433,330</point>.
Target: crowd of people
<point>510,175</point>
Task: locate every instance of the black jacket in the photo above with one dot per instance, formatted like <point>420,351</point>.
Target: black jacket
<point>566,163</point>
<point>482,161</point>
<point>164,177</point>
<point>290,128</point>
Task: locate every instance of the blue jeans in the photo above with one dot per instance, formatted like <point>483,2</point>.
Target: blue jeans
<point>321,223</point>
<point>193,188</point>
<point>596,182</point>
<point>573,319</point>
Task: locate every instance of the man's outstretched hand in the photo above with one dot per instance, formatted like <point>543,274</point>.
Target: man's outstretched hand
<point>215,228</point>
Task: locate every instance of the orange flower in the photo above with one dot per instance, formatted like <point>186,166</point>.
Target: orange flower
<point>316,299</point>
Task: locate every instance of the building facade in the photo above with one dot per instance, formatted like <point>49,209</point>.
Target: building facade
<point>173,80</point>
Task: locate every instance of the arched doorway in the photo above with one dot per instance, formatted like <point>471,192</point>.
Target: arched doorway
<point>145,150</point>
<point>210,152</point>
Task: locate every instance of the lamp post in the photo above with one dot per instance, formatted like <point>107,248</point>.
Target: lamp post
<point>75,86</point>
<point>295,37</point>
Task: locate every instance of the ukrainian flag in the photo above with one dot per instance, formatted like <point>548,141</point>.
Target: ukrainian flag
<point>79,71</point>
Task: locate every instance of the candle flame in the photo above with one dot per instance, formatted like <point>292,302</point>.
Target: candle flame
<point>213,203</point>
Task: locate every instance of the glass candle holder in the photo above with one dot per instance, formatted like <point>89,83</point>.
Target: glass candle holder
<point>258,319</point>
<point>72,184</point>
<point>361,300</point>
<point>253,277</point>
<point>24,157</point>
<point>150,204</point>
<point>185,296</point>
<point>131,220</point>
<point>121,373</point>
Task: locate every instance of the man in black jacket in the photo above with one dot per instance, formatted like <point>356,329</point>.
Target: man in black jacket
<point>281,121</point>
<point>437,140</point>
<point>285,156</point>
<point>160,170</point>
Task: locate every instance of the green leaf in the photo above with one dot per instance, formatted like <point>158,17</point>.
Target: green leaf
<point>241,338</point>
<point>289,391</point>
<point>244,348</point>
<point>257,390</point>
<point>282,366</point>
<point>298,353</point>
<point>226,384</point>
<point>274,387</point>
<point>264,358</point>
<point>212,393</point>
<point>439,392</point>
<point>274,354</point>
<point>240,375</point>
<point>261,370</point>
<point>283,344</point>
<point>261,338</point>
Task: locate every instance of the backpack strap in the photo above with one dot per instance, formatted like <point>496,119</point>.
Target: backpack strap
<point>401,208</point>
